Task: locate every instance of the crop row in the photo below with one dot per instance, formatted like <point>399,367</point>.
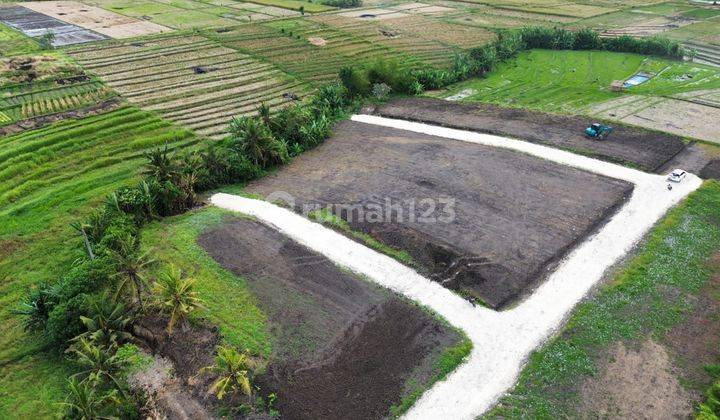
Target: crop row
<point>199,83</point>
<point>60,158</point>
<point>49,98</point>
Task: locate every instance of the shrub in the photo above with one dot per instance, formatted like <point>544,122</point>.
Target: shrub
<point>355,81</point>
<point>381,91</point>
<point>389,72</point>
<point>587,39</point>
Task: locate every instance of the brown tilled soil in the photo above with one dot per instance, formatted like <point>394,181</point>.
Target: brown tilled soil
<point>514,215</point>
<point>345,348</point>
<point>711,170</point>
<point>647,149</point>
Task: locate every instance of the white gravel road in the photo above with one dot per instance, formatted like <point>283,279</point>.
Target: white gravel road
<point>502,340</point>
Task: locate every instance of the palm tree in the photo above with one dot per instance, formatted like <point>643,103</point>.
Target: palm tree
<point>108,321</point>
<point>97,363</point>
<point>160,165</point>
<point>85,403</point>
<point>177,296</point>
<point>252,138</point>
<point>130,263</point>
<point>35,307</point>
<point>235,372</point>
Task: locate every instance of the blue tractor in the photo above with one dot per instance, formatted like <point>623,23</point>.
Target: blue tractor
<point>598,131</point>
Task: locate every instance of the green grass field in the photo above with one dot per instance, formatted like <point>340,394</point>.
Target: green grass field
<point>49,178</point>
<point>569,81</point>
<point>649,296</point>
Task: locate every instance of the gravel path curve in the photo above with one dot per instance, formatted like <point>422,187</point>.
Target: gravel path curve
<point>502,340</point>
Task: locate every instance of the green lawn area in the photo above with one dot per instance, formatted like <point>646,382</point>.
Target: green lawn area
<point>650,295</point>
<point>568,81</point>
<point>49,178</point>
<point>229,303</point>
<point>13,42</point>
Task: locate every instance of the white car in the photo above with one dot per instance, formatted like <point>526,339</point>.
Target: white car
<point>677,175</point>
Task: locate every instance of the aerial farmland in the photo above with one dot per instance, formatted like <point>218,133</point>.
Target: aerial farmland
<point>359,209</point>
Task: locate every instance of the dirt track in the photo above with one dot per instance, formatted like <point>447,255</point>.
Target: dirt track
<point>515,215</point>
<point>648,150</point>
<point>345,348</point>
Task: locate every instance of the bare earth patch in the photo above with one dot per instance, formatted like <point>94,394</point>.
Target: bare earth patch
<point>683,118</point>
<point>512,216</point>
<point>345,348</point>
<point>99,20</point>
<point>637,384</point>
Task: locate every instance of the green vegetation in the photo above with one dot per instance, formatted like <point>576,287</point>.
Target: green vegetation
<point>13,42</point>
<point>50,177</point>
<point>175,239</point>
<point>568,81</point>
<point>648,297</point>
<point>308,6</point>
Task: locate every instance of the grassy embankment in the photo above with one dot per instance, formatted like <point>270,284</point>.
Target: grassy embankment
<point>49,178</point>
<point>653,293</point>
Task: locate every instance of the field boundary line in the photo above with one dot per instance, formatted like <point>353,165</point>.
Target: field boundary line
<point>502,341</point>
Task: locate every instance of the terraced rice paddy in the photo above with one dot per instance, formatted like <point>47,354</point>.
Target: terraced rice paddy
<point>431,45</point>
<point>286,44</point>
<point>29,100</point>
<point>191,80</point>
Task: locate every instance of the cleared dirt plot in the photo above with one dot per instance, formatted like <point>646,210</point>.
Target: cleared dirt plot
<point>346,349</point>
<point>190,79</point>
<point>99,20</point>
<point>646,149</point>
<point>36,24</point>
<point>684,118</point>
<point>486,222</point>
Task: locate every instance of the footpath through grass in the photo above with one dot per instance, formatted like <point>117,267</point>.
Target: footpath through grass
<point>648,297</point>
<point>568,81</point>
<point>49,178</point>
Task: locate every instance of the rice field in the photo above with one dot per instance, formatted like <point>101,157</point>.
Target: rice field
<point>49,178</point>
<point>398,35</point>
<point>25,101</point>
<point>191,80</point>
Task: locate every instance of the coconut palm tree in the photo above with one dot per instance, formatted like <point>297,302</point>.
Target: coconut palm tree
<point>235,372</point>
<point>97,363</point>
<point>85,402</point>
<point>130,263</point>
<point>177,297</point>
<point>160,165</point>
<point>252,138</point>
<point>108,321</point>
